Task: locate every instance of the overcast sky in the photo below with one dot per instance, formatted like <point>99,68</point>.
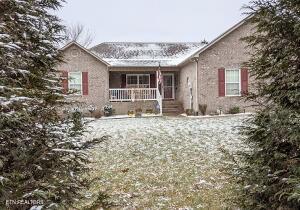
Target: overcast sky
<point>153,20</point>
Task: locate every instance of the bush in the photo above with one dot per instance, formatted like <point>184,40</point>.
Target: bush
<point>149,111</point>
<point>92,109</point>
<point>41,156</point>
<point>108,110</point>
<point>270,174</point>
<point>202,108</point>
<point>76,119</point>
<point>234,110</point>
<point>189,112</point>
<point>130,112</point>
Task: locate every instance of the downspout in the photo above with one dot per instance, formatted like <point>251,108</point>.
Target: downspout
<point>196,59</point>
<point>190,86</point>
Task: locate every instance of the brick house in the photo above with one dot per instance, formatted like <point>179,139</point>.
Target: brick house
<point>174,76</point>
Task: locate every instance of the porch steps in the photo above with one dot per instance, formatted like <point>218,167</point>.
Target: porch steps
<point>172,108</point>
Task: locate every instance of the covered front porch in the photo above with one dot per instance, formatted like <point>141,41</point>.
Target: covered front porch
<point>141,89</point>
<point>142,86</point>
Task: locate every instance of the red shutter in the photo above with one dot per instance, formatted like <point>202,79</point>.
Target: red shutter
<point>65,81</point>
<point>152,80</point>
<point>123,81</point>
<point>85,83</point>
<point>244,81</point>
<point>221,75</point>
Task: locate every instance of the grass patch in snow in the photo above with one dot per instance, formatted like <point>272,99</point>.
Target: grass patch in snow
<point>166,162</point>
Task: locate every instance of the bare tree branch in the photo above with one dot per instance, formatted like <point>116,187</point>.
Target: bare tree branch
<point>78,32</point>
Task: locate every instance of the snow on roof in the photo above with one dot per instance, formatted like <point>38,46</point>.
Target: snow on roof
<point>131,54</point>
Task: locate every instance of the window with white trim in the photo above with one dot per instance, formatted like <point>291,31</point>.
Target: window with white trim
<point>138,80</point>
<point>75,82</point>
<point>232,82</point>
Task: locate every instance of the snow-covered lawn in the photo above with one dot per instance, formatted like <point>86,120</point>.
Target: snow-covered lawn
<point>165,162</point>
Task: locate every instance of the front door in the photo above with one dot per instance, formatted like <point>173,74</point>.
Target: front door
<point>168,86</point>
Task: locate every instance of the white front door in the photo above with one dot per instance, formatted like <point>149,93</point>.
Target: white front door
<point>168,86</point>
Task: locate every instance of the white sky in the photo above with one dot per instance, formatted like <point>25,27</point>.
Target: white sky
<point>153,20</point>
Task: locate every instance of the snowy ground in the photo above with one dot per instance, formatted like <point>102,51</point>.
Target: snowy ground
<point>165,162</point>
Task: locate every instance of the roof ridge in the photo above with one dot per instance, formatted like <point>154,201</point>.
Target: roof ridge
<point>140,42</point>
<point>140,59</point>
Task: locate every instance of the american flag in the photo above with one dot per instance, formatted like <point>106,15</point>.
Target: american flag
<point>159,76</point>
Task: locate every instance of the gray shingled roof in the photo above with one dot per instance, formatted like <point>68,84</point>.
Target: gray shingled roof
<point>132,54</point>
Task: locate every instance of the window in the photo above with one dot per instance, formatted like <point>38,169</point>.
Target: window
<point>132,81</point>
<point>144,81</point>
<point>232,83</point>
<point>138,81</point>
<point>75,82</point>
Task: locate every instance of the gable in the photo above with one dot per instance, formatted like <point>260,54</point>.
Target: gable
<point>74,50</point>
<point>238,31</point>
<point>77,59</point>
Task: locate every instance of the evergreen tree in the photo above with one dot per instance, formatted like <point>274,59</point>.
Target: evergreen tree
<point>40,156</point>
<point>271,177</point>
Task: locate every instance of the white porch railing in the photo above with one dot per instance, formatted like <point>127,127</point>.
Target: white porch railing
<point>136,94</point>
<point>133,94</point>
